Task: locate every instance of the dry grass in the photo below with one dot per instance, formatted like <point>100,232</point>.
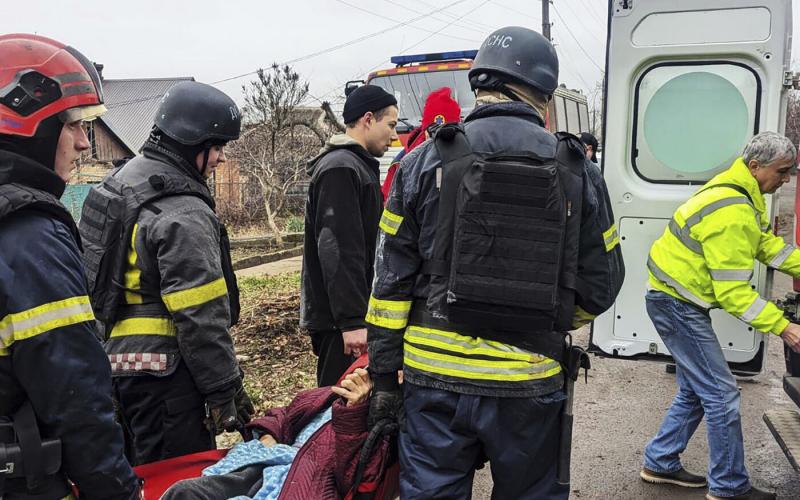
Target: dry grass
<point>274,353</point>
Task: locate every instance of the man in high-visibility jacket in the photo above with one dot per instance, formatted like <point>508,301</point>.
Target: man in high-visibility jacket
<point>705,260</point>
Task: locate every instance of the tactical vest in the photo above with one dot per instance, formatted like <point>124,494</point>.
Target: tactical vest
<point>506,248</point>
<point>29,464</point>
<point>107,222</point>
<point>15,197</point>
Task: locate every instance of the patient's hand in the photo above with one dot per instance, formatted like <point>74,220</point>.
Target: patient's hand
<point>267,440</point>
<point>355,387</point>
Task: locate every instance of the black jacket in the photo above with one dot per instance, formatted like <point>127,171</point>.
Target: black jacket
<point>49,352</point>
<point>341,224</point>
<point>175,274</point>
<point>408,236</point>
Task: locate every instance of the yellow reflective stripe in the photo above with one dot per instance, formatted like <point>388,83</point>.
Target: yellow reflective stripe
<point>133,275</point>
<point>43,318</point>
<point>462,344</point>
<point>191,297</point>
<point>392,314</point>
<point>390,222</point>
<point>144,326</point>
<point>435,364</point>
<point>4,351</point>
<point>611,237</point>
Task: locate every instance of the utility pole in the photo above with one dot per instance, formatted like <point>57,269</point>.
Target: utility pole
<point>546,19</point>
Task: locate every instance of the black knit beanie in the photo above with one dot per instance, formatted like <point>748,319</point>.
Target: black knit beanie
<point>364,99</point>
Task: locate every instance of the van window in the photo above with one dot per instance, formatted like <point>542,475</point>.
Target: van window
<point>692,120</point>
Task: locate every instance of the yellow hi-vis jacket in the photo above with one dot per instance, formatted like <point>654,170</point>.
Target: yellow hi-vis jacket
<point>707,253</point>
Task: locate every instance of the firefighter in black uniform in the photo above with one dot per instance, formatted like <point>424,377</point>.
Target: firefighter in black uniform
<point>488,252</point>
<point>175,372</point>
<point>55,381</point>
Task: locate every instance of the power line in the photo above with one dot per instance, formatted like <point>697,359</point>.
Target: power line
<point>476,26</point>
<point>391,19</point>
<point>351,42</point>
<point>516,11</point>
<point>308,56</point>
<point>383,61</point>
<point>590,58</point>
<point>580,19</point>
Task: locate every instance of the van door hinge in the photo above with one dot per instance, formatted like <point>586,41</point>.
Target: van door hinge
<point>791,80</point>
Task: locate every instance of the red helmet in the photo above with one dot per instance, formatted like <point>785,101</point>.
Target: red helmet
<point>40,78</point>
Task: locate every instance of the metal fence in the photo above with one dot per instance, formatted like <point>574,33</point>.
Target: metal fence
<point>73,198</point>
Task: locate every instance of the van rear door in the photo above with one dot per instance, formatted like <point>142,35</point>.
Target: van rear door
<point>688,83</point>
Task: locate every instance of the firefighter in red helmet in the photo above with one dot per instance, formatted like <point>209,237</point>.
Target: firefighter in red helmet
<point>57,421</point>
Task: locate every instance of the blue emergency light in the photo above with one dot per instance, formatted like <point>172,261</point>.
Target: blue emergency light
<point>438,56</point>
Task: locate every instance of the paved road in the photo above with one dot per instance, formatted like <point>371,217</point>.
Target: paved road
<point>622,407</point>
<point>271,268</point>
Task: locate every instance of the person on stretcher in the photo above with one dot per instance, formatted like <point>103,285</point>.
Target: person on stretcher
<point>309,449</point>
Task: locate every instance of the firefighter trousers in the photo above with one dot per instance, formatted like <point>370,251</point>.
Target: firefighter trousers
<point>448,435</point>
<point>163,417</point>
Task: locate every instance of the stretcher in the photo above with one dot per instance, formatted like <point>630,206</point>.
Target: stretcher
<point>159,476</point>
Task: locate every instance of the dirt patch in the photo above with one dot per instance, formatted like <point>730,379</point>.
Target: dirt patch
<point>273,352</point>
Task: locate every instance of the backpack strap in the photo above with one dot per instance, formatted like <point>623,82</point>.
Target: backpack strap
<point>457,157</point>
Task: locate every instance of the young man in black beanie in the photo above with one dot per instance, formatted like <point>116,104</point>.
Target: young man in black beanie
<point>343,210</point>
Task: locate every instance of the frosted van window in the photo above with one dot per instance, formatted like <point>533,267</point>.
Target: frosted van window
<point>692,121</point>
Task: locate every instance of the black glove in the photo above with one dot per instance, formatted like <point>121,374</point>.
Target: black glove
<point>228,409</point>
<point>386,402</point>
<point>244,406</point>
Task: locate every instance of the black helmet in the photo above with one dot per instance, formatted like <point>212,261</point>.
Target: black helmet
<point>516,54</point>
<point>194,113</point>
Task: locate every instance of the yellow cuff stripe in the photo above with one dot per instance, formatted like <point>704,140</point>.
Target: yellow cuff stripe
<point>392,314</point>
<point>144,326</point>
<point>196,296</point>
<point>43,318</point>
<point>582,317</point>
<point>390,223</point>
<point>611,237</point>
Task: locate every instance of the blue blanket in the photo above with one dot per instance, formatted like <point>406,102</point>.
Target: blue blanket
<point>277,459</point>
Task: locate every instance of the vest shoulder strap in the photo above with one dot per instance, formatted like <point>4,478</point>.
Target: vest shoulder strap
<point>457,157</point>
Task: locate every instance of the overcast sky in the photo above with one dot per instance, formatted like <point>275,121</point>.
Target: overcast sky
<point>213,40</point>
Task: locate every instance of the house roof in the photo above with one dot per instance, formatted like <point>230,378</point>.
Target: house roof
<point>132,104</point>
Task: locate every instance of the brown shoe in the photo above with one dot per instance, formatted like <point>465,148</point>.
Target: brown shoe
<point>680,477</point>
<point>752,494</point>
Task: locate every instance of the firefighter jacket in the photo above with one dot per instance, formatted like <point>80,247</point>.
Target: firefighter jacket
<point>49,352</point>
<point>707,253</point>
<point>341,224</point>
<point>436,355</point>
<point>176,299</point>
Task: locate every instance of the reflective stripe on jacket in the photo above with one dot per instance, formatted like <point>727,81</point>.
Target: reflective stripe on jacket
<point>707,253</point>
<point>176,297</point>
<point>443,357</point>
<point>49,351</point>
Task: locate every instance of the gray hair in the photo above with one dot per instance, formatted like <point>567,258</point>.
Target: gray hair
<point>768,147</point>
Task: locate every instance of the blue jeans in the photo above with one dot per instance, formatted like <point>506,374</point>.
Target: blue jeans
<point>707,388</point>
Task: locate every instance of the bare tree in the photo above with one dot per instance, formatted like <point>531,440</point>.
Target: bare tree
<point>278,137</point>
<point>793,116</point>
<point>595,101</point>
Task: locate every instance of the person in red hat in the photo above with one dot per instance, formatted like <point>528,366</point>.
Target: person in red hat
<point>440,108</point>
